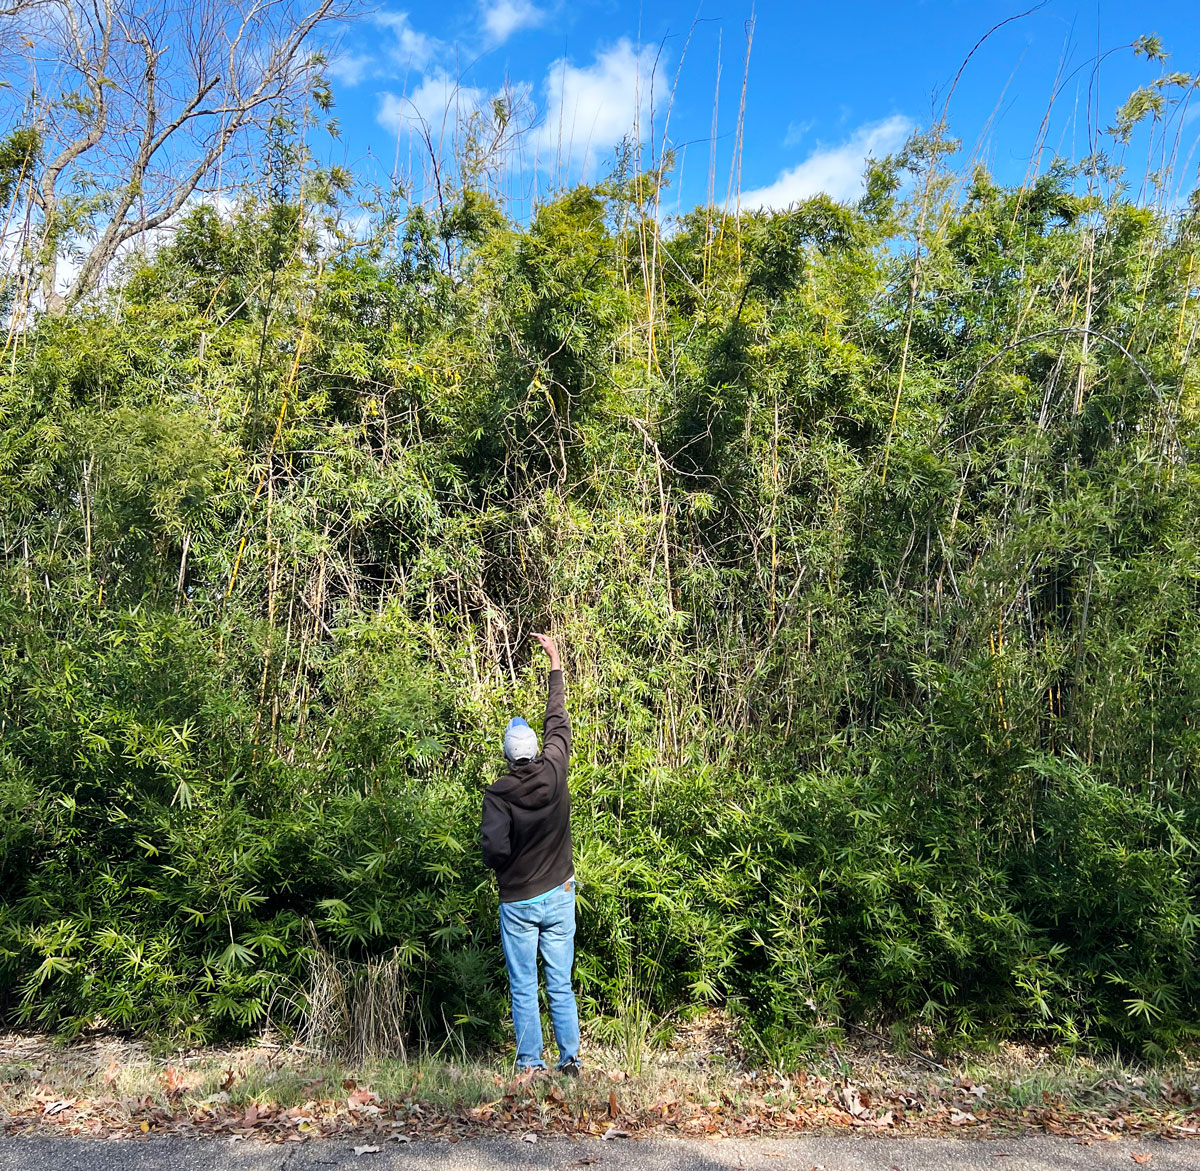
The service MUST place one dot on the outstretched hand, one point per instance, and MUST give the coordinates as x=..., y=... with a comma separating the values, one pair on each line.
x=551, y=648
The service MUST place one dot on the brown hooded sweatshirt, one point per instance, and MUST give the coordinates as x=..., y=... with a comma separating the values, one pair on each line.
x=526, y=830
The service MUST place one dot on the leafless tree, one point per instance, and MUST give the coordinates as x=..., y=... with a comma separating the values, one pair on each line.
x=141, y=105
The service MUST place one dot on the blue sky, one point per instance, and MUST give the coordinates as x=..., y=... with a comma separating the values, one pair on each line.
x=828, y=84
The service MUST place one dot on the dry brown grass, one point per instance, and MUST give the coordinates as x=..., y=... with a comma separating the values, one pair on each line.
x=703, y=1063
x=355, y=1012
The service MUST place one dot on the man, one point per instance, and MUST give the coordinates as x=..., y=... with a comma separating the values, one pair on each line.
x=526, y=837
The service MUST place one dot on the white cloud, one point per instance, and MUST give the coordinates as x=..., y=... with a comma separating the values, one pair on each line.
x=411, y=49
x=502, y=18
x=590, y=109
x=837, y=171
x=797, y=132
x=439, y=103
x=394, y=47
x=350, y=68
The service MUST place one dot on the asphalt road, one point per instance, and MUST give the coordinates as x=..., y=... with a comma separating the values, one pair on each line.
x=803, y=1154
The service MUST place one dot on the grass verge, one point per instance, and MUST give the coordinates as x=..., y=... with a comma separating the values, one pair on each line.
x=104, y=1086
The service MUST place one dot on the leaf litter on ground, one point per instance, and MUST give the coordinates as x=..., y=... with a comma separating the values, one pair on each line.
x=274, y=1095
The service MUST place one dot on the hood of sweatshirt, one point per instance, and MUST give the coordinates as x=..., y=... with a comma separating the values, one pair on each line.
x=528, y=785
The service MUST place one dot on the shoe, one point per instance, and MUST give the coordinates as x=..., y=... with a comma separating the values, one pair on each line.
x=572, y=1068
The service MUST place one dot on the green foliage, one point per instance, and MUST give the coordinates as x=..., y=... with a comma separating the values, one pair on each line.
x=19, y=154
x=916, y=747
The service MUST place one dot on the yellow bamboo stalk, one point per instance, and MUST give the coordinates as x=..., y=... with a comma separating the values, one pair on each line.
x=283, y=402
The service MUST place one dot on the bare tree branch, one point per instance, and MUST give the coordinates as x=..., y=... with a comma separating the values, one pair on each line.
x=124, y=92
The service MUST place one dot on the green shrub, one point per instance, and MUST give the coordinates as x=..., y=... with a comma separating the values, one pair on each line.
x=884, y=694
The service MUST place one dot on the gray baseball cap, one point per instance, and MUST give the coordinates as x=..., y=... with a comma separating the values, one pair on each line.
x=520, y=741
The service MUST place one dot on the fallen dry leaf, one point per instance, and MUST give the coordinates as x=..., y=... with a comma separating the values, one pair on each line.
x=857, y=1102
x=1140, y=1158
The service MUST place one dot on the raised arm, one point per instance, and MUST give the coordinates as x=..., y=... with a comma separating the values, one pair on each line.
x=556, y=727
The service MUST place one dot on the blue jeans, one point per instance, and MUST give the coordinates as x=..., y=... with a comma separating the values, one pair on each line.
x=547, y=926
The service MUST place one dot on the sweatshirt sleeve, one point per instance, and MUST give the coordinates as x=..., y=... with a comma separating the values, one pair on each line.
x=556, y=726
x=495, y=832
